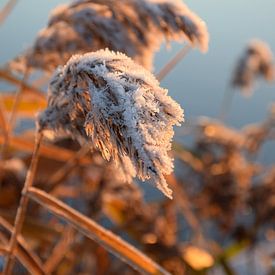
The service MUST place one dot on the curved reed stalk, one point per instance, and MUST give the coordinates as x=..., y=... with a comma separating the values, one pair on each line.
x=134, y=27
x=116, y=106
x=94, y=231
x=21, y=210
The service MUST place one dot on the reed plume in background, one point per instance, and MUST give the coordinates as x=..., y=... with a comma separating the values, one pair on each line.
x=257, y=61
x=134, y=27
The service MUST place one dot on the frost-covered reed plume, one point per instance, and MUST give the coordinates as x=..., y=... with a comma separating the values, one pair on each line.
x=257, y=61
x=118, y=107
x=134, y=27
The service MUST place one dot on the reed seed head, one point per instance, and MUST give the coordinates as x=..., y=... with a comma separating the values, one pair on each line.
x=257, y=61
x=119, y=108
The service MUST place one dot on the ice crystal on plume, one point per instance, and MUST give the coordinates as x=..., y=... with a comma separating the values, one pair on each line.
x=119, y=108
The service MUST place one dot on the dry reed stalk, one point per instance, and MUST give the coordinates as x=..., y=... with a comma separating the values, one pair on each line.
x=226, y=103
x=30, y=258
x=4, y=13
x=61, y=173
x=47, y=150
x=3, y=120
x=168, y=67
x=116, y=106
x=23, y=257
x=5, y=75
x=184, y=204
x=60, y=250
x=22, y=208
x=12, y=118
x=94, y=231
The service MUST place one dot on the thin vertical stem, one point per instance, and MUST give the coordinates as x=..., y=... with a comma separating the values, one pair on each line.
x=168, y=67
x=22, y=209
x=4, y=127
x=7, y=10
x=17, y=100
x=61, y=173
x=226, y=103
x=60, y=250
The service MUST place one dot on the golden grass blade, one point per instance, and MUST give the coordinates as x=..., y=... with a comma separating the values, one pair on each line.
x=23, y=253
x=7, y=10
x=173, y=62
x=17, y=99
x=27, y=108
x=46, y=150
x=94, y=231
x=22, y=208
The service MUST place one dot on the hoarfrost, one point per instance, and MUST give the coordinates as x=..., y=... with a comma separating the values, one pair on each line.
x=119, y=108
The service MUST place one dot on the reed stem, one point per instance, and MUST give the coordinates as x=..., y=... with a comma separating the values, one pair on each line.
x=168, y=67
x=226, y=103
x=22, y=209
